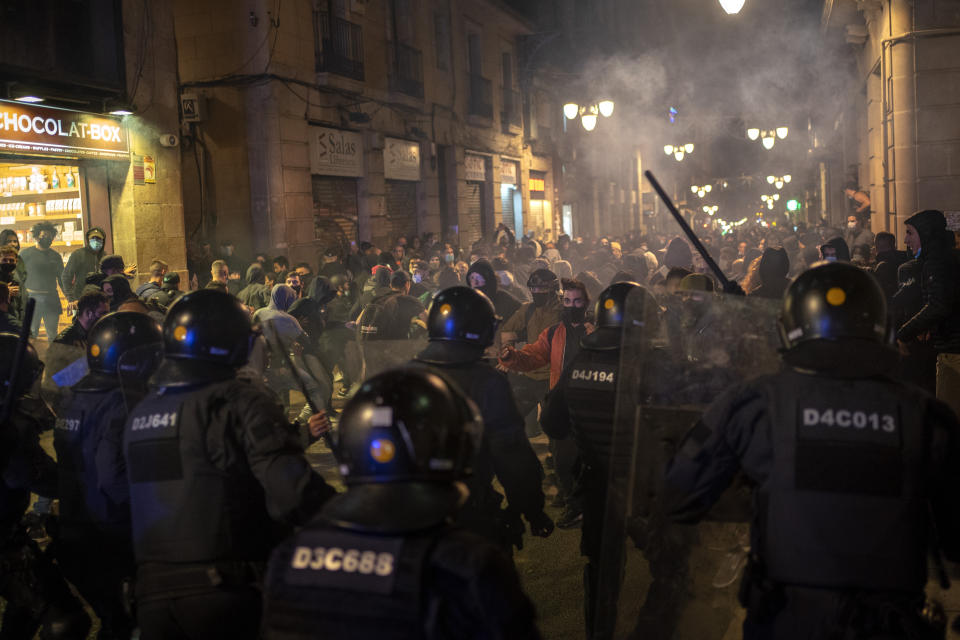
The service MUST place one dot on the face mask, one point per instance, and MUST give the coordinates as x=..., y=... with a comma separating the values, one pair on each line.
x=296, y=288
x=540, y=299
x=574, y=315
x=851, y=225
x=418, y=278
x=448, y=257
x=831, y=258
x=6, y=268
x=96, y=244
x=45, y=242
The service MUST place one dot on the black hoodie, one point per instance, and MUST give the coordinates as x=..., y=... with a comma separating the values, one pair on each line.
x=504, y=303
x=939, y=274
x=81, y=262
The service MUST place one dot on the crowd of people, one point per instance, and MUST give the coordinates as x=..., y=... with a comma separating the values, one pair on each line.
x=529, y=330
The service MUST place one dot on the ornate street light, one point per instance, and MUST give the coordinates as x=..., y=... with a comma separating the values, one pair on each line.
x=701, y=191
x=768, y=137
x=779, y=181
x=732, y=6
x=678, y=151
x=588, y=114
x=770, y=199
x=710, y=210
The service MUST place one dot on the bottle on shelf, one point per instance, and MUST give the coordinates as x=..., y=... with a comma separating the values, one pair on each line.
x=54, y=180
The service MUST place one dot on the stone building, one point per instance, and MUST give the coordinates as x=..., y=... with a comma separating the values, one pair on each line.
x=898, y=133
x=339, y=121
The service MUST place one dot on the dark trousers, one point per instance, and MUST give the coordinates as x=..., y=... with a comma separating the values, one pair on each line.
x=99, y=572
x=229, y=613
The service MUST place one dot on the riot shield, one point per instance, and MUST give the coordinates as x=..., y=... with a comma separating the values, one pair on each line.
x=64, y=366
x=659, y=579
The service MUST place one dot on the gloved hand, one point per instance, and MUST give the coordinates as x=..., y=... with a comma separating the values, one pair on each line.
x=540, y=525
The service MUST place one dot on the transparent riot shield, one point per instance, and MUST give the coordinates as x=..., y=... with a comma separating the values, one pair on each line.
x=134, y=369
x=658, y=579
x=63, y=367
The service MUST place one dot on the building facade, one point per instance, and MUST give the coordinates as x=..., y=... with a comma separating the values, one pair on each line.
x=898, y=133
x=341, y=121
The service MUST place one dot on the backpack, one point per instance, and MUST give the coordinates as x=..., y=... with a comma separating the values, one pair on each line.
x=377, y=321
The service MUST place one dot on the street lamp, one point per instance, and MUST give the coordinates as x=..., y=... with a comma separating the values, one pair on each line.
x=588, y=113
x=768, y=137
x=732, y=6
x=779, y=181
x=678, y=151
x=770, y=199
x=701, y=191
x=710, y=210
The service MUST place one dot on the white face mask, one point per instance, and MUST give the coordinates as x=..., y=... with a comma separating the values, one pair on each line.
x=831, y=258
x=851, y=225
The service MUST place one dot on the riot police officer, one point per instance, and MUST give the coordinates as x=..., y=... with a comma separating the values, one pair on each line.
x=583, y=405
x=35, y=592
x=383, y=560
x=94, y=549
x=214, y=470
x=848, y=466
x=461, y=324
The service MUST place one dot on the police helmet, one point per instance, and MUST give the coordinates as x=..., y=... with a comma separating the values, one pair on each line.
x=462, y=314
x=405, y=437
x=543, y=279
x=610, y=313
x=30, y=367
x=833, y=301
x=116, y=333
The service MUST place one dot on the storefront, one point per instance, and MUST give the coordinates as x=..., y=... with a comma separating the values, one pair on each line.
x=53, y=168
x=401, y=172
x=511, y=196
x=336, y=162
x=541, y=213
x=473, y=219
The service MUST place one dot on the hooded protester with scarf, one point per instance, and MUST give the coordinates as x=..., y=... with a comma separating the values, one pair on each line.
x=482, y=276
x=933, y=247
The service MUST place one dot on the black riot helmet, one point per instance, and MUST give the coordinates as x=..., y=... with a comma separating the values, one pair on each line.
x=543, y=279
x=830, y=312
x=404, y=438
x=833, y=301
x=462, y=314
x=30, y=368
x=116, y=333
x=610, y=313
x=206, y=336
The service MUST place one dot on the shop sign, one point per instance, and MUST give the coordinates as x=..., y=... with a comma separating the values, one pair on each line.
x=475, y=167
x=508, y=172
x=31, y=128
x=334, y=152
x=149, y=170
x=401, y=159
x=537, y=185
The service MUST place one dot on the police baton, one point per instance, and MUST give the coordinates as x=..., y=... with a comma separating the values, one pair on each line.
x=7, y=409
x=301, y=385
x=728, y=285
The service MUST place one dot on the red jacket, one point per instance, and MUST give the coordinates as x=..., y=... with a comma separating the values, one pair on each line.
x=542, y=352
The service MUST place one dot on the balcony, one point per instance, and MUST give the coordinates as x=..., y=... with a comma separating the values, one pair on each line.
x=341, y=46
x=407, y=74
x=510, y=116
x=481, y=100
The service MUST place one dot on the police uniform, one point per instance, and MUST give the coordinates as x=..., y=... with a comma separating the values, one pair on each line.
x=848, y=466
x=94, y=546
x=35, y=592
x=455, y=315
x=214, y=467
x=382, y=560
x=583, y=405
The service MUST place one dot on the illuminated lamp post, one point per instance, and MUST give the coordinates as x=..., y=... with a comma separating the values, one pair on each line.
x=678, y=151
x=588, y=114
x=768, y=137
x=779, y=181
x=732, y=6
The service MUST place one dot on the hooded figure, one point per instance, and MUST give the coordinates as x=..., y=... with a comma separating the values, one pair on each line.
x=321, y=291
x=678, y=254
x=481, y=276
x=939, y=273
x=835, y=247
x=275, y=317
x=118, y=288
x=255, y=295
x=84, y=260
x=773, y=270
